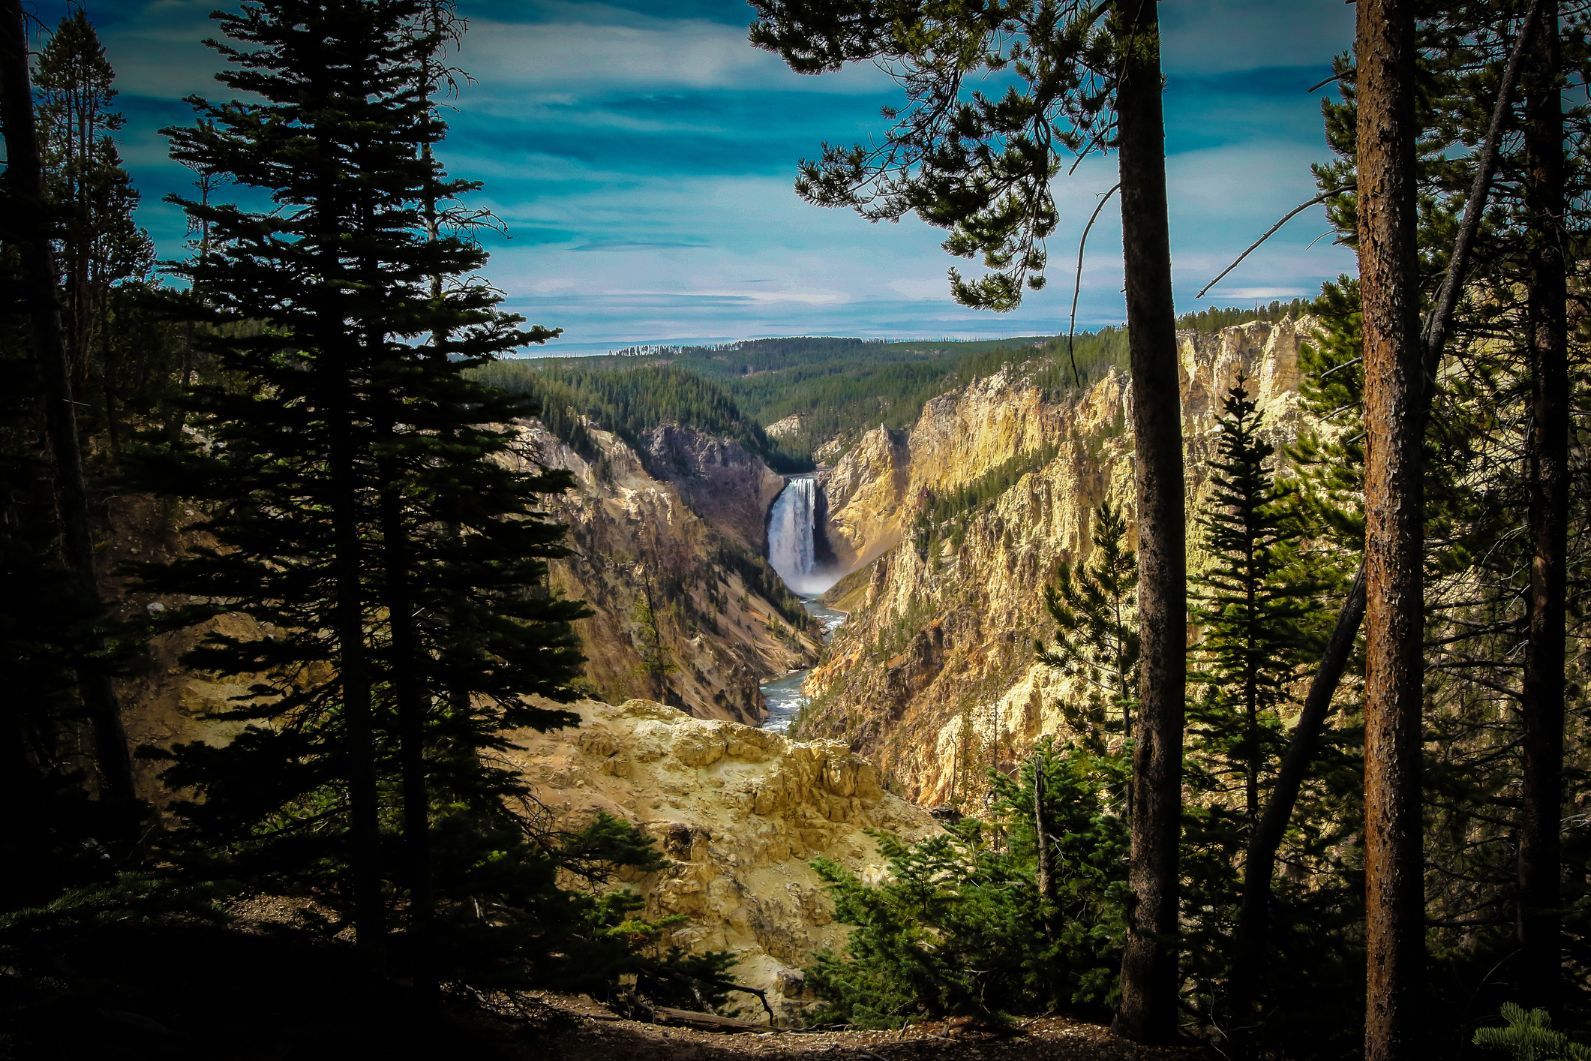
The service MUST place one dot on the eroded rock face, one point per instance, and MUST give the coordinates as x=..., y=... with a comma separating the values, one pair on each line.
x=671, y=570
x=866, y=492
x=739, y=813
x=730, y=488
x=932, y=676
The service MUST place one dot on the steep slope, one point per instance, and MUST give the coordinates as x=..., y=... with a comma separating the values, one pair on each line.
x=666, y=550
x=739, y=813
x=970, y=515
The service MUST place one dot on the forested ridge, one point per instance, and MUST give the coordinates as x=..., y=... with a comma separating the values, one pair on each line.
x=1320, y=782
x=835, y=388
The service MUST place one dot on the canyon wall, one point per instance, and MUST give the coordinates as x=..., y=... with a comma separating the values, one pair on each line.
x=738, y=814
x=933, y=676
x=666, y=550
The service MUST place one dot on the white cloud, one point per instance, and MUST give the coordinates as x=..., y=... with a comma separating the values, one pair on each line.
x=1222, y=36
x=589, y=45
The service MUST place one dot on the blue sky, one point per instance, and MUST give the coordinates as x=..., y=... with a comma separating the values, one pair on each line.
x=642, y=154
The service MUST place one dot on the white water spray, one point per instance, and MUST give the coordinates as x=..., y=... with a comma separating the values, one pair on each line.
x=792, y=532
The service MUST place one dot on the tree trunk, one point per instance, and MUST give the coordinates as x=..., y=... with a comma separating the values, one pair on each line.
x=25, y=177
x=1394, y=528
x=1041, y=839
x=353, y=667
x=1260, y=862
x=340, y=368
x=1251, y=697
x=1149, y=981
x=1539, y=927
x=406, y=655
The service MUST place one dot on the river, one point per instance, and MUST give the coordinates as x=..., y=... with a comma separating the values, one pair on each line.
x=784, y=695
x=793, y=553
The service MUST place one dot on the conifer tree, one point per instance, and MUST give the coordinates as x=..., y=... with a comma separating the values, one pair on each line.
x=1539, y=918
x=26, y=230
x=100, y=243
x=1093, y=606
x=369, y=516
x=1384, y=48
x=1251, y=604
x=1074, y=77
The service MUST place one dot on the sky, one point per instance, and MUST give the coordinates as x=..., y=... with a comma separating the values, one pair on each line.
x=641, y=156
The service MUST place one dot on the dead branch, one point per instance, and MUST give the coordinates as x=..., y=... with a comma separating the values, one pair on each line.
x=1077, y=284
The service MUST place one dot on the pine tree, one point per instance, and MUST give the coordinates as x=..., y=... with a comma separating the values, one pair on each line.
x=1271, y=958
x=1539, y=919
x=101, y=246
x=1394, y=527
x=1252, y=604
x=369, y=515
x=1073, y=78
x=26, y=231
x=1094, y=609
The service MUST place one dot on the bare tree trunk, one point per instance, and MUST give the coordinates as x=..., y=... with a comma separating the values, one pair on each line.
x=1539, y=922
x=25, y=177
x=1041, y=837
x=353, y=667
x=1266, y=840
x=1259, y=865
x=405, y=656
x=339, y=368
x=1149, y=981
x=407, y=653
x=1394, y=529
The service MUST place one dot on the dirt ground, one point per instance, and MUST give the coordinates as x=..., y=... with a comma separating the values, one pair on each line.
x=562, y=1028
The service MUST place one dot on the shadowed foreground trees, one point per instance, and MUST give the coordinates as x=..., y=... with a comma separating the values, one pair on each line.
x=1087, y=77
x=27, y=212
x=324, y=479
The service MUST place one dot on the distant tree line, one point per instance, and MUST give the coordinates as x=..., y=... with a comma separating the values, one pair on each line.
x=630, y=400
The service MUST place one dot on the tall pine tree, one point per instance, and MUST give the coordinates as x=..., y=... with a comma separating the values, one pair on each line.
x=1252, y=603
x=372, y=526
x=101, y=246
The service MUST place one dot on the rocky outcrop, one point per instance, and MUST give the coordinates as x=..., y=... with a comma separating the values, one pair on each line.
x=932, y=676
x=738, y=813
x=785, y=427
x=684, y=609
x=729, y=488
x=866, y=492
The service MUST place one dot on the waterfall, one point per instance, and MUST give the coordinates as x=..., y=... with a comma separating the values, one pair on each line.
x=792, y=544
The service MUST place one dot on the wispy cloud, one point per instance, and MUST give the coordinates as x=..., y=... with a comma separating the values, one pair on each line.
x=641, y=154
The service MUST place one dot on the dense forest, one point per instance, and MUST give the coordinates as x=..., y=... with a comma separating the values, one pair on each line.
x=1325, y=794
x=833, y=388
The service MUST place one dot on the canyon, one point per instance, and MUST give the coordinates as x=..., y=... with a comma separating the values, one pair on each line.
x=933, y=675
x=701, y=569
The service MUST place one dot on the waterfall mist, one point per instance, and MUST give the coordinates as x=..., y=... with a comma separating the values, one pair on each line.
x=792, y=539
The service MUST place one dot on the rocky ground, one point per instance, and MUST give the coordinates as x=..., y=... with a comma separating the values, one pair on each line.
x=739, y=814
x=560, y=1028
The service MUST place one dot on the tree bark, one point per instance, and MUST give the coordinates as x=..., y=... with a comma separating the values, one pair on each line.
x=24, y=174
x=1149, y=980
x=1260, y=862
x=1041, y=838
x=1538, y=919
x=340, y=368
x=353, y=667
x=406, y=654
x=1394, y=528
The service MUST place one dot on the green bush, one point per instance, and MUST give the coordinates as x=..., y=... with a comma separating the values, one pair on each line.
x=1528, y=1035
x=959, y=926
